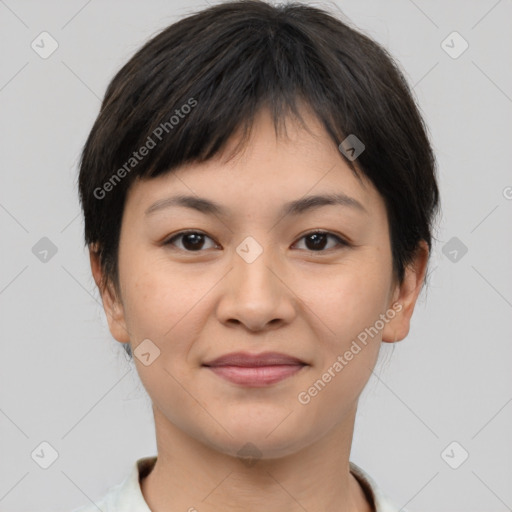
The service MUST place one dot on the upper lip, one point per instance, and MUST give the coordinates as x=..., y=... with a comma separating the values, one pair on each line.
x=253, y=360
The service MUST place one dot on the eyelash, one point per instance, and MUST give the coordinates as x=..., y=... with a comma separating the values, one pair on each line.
x=341, y=242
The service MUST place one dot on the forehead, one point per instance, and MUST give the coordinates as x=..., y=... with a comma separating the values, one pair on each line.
x=270, y=171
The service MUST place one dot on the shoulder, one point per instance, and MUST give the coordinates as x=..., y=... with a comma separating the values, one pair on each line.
x=125, y=496
x=105, y=504
x=381, y=502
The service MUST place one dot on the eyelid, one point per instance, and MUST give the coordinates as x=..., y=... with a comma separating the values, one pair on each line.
x=169, y=239
x=320, y=231
x=342, y=241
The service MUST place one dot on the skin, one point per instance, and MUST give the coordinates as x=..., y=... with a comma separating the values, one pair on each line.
x=207, y=302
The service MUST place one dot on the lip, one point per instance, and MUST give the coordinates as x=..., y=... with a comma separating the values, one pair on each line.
x=255, y=370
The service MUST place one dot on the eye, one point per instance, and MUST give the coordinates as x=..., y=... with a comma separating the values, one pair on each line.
x=192, y=241
x=318, y=240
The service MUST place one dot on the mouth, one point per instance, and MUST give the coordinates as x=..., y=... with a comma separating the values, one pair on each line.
x=255, y=370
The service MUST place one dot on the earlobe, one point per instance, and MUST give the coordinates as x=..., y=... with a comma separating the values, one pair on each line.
x=406, y=296
x=111, y=302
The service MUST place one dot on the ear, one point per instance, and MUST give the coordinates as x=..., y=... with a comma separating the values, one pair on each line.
x=111, y=302
x=405, y=296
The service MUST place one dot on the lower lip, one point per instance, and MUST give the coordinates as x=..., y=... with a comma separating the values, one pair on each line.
x=256, y=376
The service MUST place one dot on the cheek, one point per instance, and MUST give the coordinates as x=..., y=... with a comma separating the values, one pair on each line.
x=156, y=296
x=348, y=338
x=348, y=298
x=170, y=308
x=166, y=308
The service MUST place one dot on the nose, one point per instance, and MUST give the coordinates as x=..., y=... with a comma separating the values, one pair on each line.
x=255, y=293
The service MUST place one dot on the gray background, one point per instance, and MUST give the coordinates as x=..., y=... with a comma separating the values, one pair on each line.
x=64, y=380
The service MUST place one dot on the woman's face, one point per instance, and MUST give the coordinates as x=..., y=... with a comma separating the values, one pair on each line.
x=254, y=278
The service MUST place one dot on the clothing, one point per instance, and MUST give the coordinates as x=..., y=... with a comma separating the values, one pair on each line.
x=127, y=495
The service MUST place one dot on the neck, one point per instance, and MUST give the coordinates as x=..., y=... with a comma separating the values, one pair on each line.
x=189, y=475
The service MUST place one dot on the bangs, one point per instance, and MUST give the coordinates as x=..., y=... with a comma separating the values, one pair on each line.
x=184, y=106
x=203, y=80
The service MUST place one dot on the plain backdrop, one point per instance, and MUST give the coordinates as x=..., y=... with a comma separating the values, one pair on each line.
x=64, y=380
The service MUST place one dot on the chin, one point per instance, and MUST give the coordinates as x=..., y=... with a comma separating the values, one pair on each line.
x=264, y=438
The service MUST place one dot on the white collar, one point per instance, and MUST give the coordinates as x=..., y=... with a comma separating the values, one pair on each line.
x=127, y=496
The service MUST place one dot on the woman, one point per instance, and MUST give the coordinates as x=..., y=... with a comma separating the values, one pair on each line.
x=259, y=192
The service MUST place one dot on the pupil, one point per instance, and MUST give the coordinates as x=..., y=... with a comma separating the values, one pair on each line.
x=316, y=237
x=193, y=236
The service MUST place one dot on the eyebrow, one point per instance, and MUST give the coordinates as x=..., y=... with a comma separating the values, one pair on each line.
x=296, y=207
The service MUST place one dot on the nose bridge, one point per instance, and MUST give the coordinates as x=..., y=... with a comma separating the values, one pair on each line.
x=252, y=263
x=254, y=295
